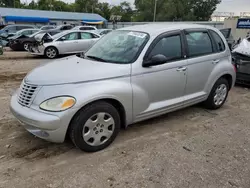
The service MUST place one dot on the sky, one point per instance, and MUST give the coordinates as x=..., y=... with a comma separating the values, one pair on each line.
x=235, y=6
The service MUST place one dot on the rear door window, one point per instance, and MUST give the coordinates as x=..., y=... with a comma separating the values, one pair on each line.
x=86, y=35
x=199, y=43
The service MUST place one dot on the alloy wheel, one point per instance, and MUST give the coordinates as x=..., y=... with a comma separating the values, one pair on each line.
x=220, y=94
x=51, y=53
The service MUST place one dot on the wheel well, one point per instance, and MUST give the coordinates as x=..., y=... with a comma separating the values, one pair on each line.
x=120, y=110
x=229, y=78
x=113, y=102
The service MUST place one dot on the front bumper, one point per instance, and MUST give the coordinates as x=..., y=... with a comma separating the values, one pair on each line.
x=49, y=127
x=37, y=50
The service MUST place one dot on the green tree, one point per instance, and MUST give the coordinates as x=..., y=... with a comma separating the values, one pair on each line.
x=10, y=3
x=203, y=9
x=176, y=10
x=86, y=5
x=124, y=10
x=104, y=10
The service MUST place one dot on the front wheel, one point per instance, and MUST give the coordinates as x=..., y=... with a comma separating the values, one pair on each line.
x=51, y=52
x=218, y=94
x=95, y=127
x=26, y=46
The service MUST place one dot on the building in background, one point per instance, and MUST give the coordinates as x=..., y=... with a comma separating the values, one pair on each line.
x=221, y=16
x=240, y=27
x=42, y=17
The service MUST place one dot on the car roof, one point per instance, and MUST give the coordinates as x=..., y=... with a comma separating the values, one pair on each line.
x=30, y=29
x=72, y=31
x=156, y=29
x=77, y=27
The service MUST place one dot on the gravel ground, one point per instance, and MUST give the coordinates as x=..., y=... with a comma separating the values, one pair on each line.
x=192, y=148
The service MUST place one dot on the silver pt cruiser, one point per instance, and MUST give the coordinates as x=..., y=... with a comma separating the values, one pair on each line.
x=129, y=75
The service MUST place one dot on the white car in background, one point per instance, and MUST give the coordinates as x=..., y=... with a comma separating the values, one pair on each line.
x=67, y=42
x=85, y=28
x=47, y=27
x=103, y=31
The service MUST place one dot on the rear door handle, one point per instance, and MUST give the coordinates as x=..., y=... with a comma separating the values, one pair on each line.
x=215, y=61
x=180, y=69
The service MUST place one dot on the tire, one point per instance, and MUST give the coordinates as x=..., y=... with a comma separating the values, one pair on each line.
x=88, y=130
x=51, y=52
x=26, y=46
x=221, y=89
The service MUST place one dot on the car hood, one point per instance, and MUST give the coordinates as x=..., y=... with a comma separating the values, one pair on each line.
x=75, y=70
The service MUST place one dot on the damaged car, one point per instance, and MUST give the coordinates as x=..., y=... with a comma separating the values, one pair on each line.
x=67, y=42
x=241, y=60
x=22, y=42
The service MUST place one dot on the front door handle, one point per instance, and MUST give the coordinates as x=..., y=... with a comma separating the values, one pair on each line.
x=214, y=62
x=181, y=69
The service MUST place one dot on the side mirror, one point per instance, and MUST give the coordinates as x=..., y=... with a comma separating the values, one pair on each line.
x=158, y=59
x=6, y=30
x=81, y=55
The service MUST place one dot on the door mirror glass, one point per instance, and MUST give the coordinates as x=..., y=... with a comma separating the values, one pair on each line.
x=155, y=60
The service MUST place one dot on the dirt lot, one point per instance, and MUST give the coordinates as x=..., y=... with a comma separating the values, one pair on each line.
x=190, y=148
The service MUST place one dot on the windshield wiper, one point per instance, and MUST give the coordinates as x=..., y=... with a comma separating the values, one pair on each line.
x=96, y=58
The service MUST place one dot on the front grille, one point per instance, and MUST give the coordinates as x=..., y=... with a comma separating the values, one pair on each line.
x=26, y=94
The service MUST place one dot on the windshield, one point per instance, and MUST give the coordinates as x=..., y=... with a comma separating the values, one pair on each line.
x=36, y=33
x=75, y=28
x=118, y=47
x=59, y=34
x=20, y=32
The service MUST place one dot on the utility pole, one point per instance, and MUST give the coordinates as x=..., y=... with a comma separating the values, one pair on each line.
x=155, y=10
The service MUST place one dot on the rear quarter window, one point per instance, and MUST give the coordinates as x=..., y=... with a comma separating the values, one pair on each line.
x=219, y=44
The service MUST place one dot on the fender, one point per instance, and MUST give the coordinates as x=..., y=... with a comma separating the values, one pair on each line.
x=219, y=71
x=118, y=89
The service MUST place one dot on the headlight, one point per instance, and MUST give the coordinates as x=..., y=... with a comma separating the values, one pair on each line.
x=58, y=104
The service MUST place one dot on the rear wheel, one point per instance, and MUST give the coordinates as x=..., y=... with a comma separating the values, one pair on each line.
x=218, y=95
x=51, y=52
x=95, y=127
